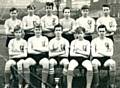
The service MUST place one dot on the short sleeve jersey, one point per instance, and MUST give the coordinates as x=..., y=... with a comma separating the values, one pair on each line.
x=81, y=45
x=67, y=24
x=58, y=45
x=109, y=22
x=48, y=22
x=10, y=25
x=88, y=23
x=28, y=21
x=17, y=45
x=37, y=43
x=101, y=45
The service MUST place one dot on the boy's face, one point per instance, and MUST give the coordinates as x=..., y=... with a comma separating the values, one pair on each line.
x=80, y=35
x=30, y=11
x=58, y=31
x=101, y=32
x=67, y=13
x=85, y=12
x=38, y=31
x=49, y=9
x=106, y=11
x=18, y=34
x=14, y=13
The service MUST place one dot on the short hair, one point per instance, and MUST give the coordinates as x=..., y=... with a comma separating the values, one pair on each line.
x=58, y=25
x=79, y=30
x=85, y=7
x=49, y=4
x=106, y=5
x=102, y=26
x=66, y=8
x=32, y=7
x=38, y=26
x=13, y=9
x=17, y=28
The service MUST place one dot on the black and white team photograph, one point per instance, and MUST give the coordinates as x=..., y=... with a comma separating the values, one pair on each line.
x=59, y=44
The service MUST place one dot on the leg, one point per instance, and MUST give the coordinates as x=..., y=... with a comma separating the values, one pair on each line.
x=26, y=65
x=65, y=63
x=52, y=63
x=112, y=71
x=72, y=65
x=8, y=65
x=20, y=72
x=96, y=63
x=45, y=64
x=88, y=65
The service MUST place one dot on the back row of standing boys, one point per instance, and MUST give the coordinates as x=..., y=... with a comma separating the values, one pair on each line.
x=78, y=33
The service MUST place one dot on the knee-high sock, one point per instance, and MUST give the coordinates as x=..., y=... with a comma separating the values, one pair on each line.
x=20, y=76
x=112, y=78
x=69, y=78
x=89, y=79
x=44, y=74
x=27, y=75
x=7, y=77
x=96, y=78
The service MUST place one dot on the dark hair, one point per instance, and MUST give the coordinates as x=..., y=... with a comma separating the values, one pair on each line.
x=13, y=9
x=79, y=30
x=85, y=7
x=106, y=5
x=17, y=28
x=31, y=7
x=38, y=26
x=58, y=25
x=66, y=8
x=102, y=26
x=49, y=4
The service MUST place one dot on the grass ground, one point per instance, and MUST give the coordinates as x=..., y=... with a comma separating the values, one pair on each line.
x=4, y=55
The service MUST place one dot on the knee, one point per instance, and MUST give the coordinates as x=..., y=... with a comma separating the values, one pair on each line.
x=111, y=64
x=8, y=64
x=53, y=62
x=45, y=63
x=72, y=65
x=96, y=63
x=88, y=65
x=28, y=62
x=64, y=62
x=20, y=64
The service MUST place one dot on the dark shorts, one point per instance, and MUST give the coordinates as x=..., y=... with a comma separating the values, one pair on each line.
x=80, y=60
x=38, y=57
x=8, y=40
x=58, y=59
x=18, y=59
x=28, y=35
x=69, y=37
x=102, y=60
x=89, y=38
x=111, y=37
x=47, y=33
